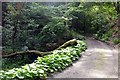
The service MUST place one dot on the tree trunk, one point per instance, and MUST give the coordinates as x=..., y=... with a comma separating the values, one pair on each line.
x=66, y=44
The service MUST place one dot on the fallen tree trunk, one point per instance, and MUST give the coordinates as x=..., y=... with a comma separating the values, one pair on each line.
x=66, y=44
x=27, y=52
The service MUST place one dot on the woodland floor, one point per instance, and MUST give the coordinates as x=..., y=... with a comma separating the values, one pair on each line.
x=100, y=60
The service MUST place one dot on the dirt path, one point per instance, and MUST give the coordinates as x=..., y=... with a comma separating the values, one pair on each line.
x=99, y=61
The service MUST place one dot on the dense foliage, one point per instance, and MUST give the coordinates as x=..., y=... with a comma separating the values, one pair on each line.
x=45, y=26
x=43, y=66
x=41, y=26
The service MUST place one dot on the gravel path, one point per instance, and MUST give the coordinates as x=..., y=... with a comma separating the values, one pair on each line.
x=99, y=61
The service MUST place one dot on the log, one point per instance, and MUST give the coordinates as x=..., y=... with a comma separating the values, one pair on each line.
x=27, y=52
x=66, y=44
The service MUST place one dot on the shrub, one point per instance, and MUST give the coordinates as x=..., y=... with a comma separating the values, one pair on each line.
x=43, y=66
x=116, y=41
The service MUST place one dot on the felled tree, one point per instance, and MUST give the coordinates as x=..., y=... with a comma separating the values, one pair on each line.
x=66, y=44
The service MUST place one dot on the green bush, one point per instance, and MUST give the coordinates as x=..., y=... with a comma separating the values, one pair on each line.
x=43, y=66
x=116, y=41
x=37, y=24
x=56, y=29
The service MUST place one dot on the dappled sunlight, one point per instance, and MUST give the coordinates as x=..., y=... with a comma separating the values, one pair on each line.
x=105, y=53
x=100, y=50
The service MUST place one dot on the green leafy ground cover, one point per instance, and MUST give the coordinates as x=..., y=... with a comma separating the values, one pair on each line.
x=43, y=66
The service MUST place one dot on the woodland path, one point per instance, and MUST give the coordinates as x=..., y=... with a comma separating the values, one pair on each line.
x=100, y=60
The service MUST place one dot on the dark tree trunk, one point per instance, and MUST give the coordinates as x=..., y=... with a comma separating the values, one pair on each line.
x=14, y=33
x=117, y=7
x=118, y=21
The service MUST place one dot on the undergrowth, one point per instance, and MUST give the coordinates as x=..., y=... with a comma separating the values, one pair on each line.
x=43, y=66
